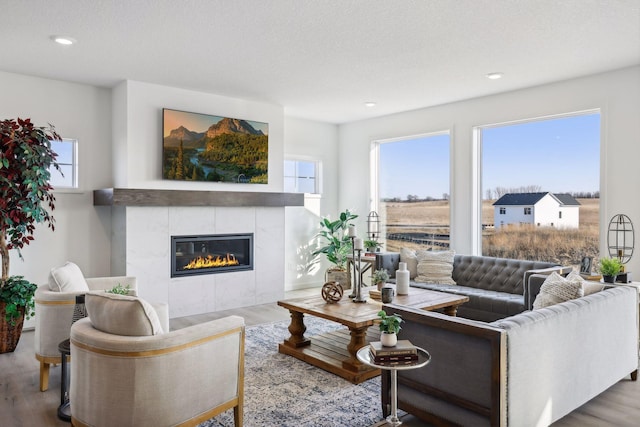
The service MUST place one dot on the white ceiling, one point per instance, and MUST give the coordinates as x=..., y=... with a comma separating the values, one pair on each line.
x=323, y=59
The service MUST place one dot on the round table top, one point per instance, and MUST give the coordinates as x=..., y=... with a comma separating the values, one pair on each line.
x=364, y=355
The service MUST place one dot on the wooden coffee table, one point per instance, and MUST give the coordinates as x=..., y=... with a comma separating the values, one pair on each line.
x=336, y=351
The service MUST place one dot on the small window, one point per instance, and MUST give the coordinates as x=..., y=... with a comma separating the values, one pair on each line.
x=503, y=211
x=527, y=211
x=560, y=214
x=67, y=151
x=301, y=176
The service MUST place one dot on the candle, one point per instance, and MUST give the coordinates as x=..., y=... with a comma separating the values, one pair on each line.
x=358, y=244
x=352, y=230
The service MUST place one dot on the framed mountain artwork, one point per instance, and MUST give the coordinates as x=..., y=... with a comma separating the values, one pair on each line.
x=201, y=147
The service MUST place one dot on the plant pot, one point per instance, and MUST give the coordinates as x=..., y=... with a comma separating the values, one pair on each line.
x=388, y=339
x=9, y=334
x=341, y=276
x=380, y=285
x=609, y=279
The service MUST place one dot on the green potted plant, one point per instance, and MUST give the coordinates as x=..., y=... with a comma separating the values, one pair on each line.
x=610, y=268
x=389, y=328
x=336, y=246
x=25, y=195
x=371, y=245
x=379, y=277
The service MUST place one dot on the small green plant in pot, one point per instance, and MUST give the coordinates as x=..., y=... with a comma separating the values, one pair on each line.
x=389, y=328
x=336, y=246
x=371, y=245
x=379, y=278
x=610, y=268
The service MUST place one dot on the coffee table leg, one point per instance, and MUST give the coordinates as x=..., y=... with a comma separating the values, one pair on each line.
x=358, y=340
x=297, y=330
x=452, y=310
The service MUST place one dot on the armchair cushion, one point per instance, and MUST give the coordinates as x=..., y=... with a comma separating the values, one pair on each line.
x=122, y=314
x=67, y=278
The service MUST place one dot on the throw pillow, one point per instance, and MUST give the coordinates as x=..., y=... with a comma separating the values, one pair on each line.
x=67, y=278
x=557, y=289
x=411, y=258
x=435, y=267
x=122, y=314
x=591, y=287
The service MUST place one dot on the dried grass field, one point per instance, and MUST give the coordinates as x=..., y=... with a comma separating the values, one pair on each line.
x=430, y=220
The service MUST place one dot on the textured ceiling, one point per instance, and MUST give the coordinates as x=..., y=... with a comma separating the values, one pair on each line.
x=322, y=59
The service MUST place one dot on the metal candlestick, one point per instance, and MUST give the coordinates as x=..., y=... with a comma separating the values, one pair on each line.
x=359, y=297
x=353, y=262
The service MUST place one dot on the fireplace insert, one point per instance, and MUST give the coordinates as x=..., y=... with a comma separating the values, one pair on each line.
x=210, y=254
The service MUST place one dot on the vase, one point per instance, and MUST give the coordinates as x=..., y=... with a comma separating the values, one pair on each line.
x=388, y=339
x=402, y=279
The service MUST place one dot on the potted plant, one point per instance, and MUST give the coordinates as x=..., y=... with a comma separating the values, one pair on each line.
x=379, y=277
x=610, y=267
x=371, y=246
x=389, y=328
x=25, y=195
x=336, y=247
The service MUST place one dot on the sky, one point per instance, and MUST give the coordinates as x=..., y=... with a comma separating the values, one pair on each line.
x=196, y=122
x=559, y=155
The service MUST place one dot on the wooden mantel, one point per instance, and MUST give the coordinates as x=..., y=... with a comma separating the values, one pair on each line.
x=151, y=197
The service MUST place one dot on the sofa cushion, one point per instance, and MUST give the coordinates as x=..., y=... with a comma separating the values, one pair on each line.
x=67, y=278
x=556, y=289
x=411, y=258
x=122, y=314
x=435, y=267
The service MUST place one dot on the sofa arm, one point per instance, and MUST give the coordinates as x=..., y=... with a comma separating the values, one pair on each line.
x=389, y=261
x=533, y=280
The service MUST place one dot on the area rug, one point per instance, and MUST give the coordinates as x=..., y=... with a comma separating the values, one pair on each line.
x=283, y=391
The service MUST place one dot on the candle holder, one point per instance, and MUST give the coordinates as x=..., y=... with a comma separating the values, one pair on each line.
x=353, y=263
x=359, y=297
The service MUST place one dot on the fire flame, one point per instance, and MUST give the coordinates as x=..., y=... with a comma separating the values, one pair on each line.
x=210, y=261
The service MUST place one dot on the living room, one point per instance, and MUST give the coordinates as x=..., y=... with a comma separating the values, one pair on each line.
x=117, y=118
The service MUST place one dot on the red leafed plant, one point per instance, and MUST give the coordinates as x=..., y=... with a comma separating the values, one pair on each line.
x=25, y=196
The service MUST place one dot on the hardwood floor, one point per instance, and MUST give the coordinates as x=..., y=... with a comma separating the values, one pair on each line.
x=23, y=405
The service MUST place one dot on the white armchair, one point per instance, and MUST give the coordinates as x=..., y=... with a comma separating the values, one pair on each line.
x=150, y=378
x=54, y=313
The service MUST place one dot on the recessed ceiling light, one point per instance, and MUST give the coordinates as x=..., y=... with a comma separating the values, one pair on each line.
x=63, y=40
x=495, y=76
x=370, y=104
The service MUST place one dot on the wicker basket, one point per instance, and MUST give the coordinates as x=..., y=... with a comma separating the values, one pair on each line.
x=9, y=334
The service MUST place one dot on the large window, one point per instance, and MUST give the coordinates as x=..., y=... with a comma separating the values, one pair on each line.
x=412, y=189
x=301, y=176
x=67, y=151
x=540, y=183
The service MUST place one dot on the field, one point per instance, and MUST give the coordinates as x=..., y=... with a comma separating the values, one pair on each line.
x=427, y=225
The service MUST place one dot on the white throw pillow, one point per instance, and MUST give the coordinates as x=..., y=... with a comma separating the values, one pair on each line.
x=435, y=267
x=557, y=289
x=122, y=314
x=67, y=278
x=591, y=287
x=411, y=258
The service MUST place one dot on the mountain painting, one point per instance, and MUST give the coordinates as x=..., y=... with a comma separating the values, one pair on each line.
x=201, y=147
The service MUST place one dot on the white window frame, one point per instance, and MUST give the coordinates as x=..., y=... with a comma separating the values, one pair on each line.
x=318, y=172
x=75, y=186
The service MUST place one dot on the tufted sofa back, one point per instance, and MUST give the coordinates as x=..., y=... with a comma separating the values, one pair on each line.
x=496, y=274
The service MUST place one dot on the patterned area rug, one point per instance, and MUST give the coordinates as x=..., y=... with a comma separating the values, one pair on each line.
x=283, y=391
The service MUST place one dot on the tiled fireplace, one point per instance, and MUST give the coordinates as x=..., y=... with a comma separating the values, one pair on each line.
x=211, y=254
x=142, y=228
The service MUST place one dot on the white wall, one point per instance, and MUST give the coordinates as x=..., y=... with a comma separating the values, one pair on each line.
x=616, y=93
x=82, y=233
x=309, y=140
x=137, y=128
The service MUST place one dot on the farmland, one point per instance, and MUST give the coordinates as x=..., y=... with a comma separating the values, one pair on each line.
x=428, y=223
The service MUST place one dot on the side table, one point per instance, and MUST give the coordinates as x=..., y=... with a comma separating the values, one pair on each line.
x=64, y=410
x=364, y=355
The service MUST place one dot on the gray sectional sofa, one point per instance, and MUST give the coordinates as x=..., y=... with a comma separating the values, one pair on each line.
x=496, y=287
x=529, y=369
